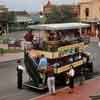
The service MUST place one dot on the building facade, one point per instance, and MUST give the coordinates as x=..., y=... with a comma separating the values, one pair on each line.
x=18, y=20
x=47, y=8
x=90, y=10
x=3, y=17
x=90, y=13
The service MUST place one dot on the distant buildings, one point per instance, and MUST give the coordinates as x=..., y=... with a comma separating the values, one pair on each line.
x=90, y=10
x=36, y=17
x=13, y=20
x=87, y=10
x=90, y=13
x=74, y=8
x=3, y=17
x=23, y=17
x=47, y=8
x=18, y=20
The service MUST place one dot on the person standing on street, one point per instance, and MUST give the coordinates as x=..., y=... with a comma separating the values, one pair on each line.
x=43, y=63
x=20, y=70
x=51, y=80
x=71, y=75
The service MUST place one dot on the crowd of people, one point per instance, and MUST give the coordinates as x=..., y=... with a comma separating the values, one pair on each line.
x=44, y=67
x=47, y=69
x=31, y=41
x=60, y=37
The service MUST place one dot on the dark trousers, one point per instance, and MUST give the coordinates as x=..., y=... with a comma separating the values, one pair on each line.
x=71, y=83
x=19, y=79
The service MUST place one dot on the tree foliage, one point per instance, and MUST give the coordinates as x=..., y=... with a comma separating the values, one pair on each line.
x=61, y=15
x=11, y=17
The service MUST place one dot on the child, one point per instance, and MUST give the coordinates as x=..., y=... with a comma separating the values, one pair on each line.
x=51, y=80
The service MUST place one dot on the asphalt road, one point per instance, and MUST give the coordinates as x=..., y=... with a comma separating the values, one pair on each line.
x=17, y=35
x=94, y=49
x=8, y=86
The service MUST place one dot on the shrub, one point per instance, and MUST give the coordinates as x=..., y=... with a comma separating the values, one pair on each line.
x=4, y=39
x=1, y=51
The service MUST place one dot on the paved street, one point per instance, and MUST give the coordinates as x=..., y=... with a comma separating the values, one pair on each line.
x=89, y=88
x=8, y=90
x=95, y=51
x=16, y=35
x=80, y=19
x=11, y=56
x=80, y=92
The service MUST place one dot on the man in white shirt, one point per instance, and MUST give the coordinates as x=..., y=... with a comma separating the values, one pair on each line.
x=71, y=72
x=71, y=75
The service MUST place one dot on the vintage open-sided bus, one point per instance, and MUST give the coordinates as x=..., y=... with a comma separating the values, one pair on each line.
x=63, y=46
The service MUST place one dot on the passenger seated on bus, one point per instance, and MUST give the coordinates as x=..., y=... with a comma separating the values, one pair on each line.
x=38, y=43
x=43, y=63
x=59, y=36
x=55, y=36
x=78, y=56
x=56, y=64
x=35, y=43
x=67, y=37
x=41, y=44
x=51, y=37
x=70, y=59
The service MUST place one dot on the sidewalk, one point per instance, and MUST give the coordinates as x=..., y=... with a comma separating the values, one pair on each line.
x=5, y=46
x=11, y=56
x=94, y=39
x=83, y=92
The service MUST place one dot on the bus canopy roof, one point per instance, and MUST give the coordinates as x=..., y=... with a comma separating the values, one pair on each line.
x=60, y=26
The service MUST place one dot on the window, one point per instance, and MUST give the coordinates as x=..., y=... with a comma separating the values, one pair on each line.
x=87, y=12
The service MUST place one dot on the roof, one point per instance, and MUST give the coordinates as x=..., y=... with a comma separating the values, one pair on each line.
x=85, y=1
x=23, y=19
x=20, y=13
x=60, y=26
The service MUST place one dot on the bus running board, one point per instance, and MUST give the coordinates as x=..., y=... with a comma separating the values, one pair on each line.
x=30, y=85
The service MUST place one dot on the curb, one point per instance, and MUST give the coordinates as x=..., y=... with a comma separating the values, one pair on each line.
x=10, y=60
x=61, y=89
x=11, y=57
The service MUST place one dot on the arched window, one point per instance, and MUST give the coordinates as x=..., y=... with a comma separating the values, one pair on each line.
x=87, y=12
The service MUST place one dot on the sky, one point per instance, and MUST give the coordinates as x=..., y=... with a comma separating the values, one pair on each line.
x=32, y=5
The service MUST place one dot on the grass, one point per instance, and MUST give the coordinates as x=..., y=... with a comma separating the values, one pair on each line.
x=3, y=51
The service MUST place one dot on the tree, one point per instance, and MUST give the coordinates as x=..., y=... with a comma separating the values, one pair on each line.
x=11, y=17
x=61, y=15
